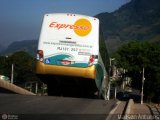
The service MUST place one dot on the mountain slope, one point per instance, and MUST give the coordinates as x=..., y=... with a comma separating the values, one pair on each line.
x=29, y=46
x=137, y=20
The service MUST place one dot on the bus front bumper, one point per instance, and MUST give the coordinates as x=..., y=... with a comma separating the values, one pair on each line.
x=89, y=72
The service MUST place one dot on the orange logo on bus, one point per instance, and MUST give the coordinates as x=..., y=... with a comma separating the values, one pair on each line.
x=83, y=22
x=81, y=27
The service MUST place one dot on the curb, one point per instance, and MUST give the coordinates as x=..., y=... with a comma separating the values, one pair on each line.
x=112, y=111
x=129, y=106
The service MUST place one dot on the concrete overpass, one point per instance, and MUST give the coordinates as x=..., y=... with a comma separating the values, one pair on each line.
x=13, y=88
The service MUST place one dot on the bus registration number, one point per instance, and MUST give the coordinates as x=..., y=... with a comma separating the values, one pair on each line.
x=67, y=49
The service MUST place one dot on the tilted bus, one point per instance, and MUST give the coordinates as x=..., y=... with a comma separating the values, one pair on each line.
x=72, y=46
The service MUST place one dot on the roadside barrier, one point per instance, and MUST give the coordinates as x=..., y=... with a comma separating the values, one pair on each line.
x=14, y=88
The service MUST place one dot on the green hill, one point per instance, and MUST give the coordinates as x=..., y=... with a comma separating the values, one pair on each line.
x=137, y=20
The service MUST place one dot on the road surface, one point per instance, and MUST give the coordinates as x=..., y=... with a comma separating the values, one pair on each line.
x=25, y=107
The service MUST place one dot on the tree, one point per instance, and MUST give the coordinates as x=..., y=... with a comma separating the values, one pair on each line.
x=24, y=67
x=133, y=56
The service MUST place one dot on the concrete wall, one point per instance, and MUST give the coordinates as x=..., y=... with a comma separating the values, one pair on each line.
x=6, y=85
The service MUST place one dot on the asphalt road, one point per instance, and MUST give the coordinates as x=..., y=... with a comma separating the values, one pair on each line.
x=21, y=107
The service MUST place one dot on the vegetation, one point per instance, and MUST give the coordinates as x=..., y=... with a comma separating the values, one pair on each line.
x=133, y=56
x=24, y=67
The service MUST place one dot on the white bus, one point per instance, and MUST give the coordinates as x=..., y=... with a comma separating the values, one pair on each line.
x=71, y=45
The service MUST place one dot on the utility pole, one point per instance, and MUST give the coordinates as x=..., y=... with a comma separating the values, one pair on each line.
x=12, y=72
x=36, y=90
x=108, y=93
x=143, y=78
x=115, y=92
x=109, y=84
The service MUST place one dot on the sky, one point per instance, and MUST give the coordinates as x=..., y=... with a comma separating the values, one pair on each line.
x=22, y=19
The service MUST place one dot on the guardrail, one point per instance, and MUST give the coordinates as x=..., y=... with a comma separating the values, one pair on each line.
x=11, y=87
